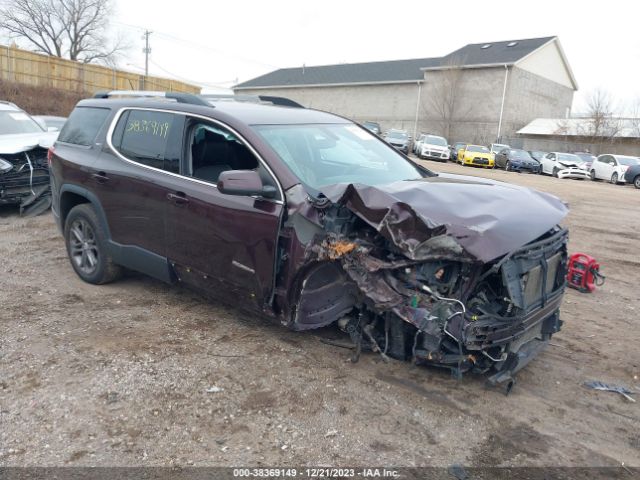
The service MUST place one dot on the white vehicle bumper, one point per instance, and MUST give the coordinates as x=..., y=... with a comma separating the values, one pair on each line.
x=573, y=173
x=426, y=152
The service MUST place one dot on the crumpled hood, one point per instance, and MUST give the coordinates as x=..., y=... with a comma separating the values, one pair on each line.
x=569, y=164
x=452, y=215
x=22, y=142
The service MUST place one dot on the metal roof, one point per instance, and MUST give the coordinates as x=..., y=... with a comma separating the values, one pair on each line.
x=581, y=127
x=397, y=71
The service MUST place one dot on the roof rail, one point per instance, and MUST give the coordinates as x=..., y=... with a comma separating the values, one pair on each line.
x=282, y=101
x=177, y=96
x=249, y=98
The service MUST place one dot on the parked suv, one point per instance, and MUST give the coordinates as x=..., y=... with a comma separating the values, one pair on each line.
x=432, y=147
x=310, y=219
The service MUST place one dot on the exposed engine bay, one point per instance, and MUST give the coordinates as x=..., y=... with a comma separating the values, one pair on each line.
x=413, y=290
x=24, y=180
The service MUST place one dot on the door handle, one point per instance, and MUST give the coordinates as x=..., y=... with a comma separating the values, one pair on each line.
x=179, y=198
x=100, y=177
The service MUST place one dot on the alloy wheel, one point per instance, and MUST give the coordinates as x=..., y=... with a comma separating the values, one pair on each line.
x=614, y=178
x=83, y=247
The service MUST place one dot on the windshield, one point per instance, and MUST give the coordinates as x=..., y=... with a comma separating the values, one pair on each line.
x=433, y=140
x=396, y=134
x=17, y=122
x=586, y=157
x=537, y=154
x=496, y=147
x=321, y=155
x=628, y=161
x=569, y=157
x=477, y=148
x=521, y=155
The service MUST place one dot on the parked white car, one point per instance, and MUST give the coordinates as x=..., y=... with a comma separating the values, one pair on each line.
x=612, y=167
x=496, y=148
x=563, y=165
x=432, y=147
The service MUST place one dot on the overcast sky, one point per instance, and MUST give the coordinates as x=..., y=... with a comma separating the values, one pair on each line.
x=217, y=43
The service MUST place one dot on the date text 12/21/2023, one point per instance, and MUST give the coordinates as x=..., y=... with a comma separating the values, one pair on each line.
x=317, y=472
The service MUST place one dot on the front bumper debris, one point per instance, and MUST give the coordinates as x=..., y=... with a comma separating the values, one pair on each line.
x=27, y=183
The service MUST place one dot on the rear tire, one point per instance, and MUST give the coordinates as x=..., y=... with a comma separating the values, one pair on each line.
x=86, y=244
x=614, y=178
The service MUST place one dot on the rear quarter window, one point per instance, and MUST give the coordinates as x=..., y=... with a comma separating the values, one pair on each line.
x=143, y=135
x=83, y=125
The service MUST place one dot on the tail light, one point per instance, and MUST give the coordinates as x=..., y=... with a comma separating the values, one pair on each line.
x=50, y=153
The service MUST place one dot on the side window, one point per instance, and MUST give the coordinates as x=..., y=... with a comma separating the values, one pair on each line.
x=613, y=161
x=146, y=137
x=551, y=156
x=213, y=149
x=83, y=125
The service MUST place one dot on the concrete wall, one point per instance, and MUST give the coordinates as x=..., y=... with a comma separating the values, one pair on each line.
x=392, y=105
x=576, y=144
x=478, y=94
x=477, y=106
x=530, y=96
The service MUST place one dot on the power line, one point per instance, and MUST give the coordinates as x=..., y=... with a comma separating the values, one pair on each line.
x=174, y=38
x=188, y=80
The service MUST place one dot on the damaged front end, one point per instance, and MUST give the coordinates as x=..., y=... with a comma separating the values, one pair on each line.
x=450, y=289
x=24, y=180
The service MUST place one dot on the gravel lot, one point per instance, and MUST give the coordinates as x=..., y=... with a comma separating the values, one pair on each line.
x=118, y=374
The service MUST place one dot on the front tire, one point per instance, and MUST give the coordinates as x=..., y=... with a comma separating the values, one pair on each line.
x=507, y=166
x=555, y=172
x=636, y=181
x=592, y=174
x=614, y=178
x=86, y=244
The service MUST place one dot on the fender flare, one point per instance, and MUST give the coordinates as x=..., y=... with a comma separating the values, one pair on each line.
x=93, y=200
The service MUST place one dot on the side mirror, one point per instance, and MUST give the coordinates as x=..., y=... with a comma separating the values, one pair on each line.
x=245, y=183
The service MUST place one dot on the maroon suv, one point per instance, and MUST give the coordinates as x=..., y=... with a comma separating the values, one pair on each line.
x=309, y=218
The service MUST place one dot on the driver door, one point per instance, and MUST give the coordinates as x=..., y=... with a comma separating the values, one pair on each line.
x=224, y=244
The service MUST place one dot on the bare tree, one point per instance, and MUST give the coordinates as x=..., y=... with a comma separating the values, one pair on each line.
x=73, y=29
x=442, y=104
x=600, y=125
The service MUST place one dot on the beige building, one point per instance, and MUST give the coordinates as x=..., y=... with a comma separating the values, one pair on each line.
x=477, y=93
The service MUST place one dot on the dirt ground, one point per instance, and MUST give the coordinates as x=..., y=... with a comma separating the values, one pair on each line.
x=118, y=374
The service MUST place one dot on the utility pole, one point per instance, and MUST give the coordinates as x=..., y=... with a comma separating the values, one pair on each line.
x=146, y=50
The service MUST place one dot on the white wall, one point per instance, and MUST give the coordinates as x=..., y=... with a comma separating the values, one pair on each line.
x=547, y=62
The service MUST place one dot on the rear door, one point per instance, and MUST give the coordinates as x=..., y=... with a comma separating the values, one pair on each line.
x=134, y=175
x=225, y=244
x=548, y=162
x=604, y=168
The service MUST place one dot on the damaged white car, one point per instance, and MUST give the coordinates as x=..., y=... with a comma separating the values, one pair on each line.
x=24, y=172
x=564, y=165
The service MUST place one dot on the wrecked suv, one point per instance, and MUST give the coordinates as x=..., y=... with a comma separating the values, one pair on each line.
x=310, y=219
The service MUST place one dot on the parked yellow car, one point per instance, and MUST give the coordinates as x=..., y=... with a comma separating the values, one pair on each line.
x=476, y=155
